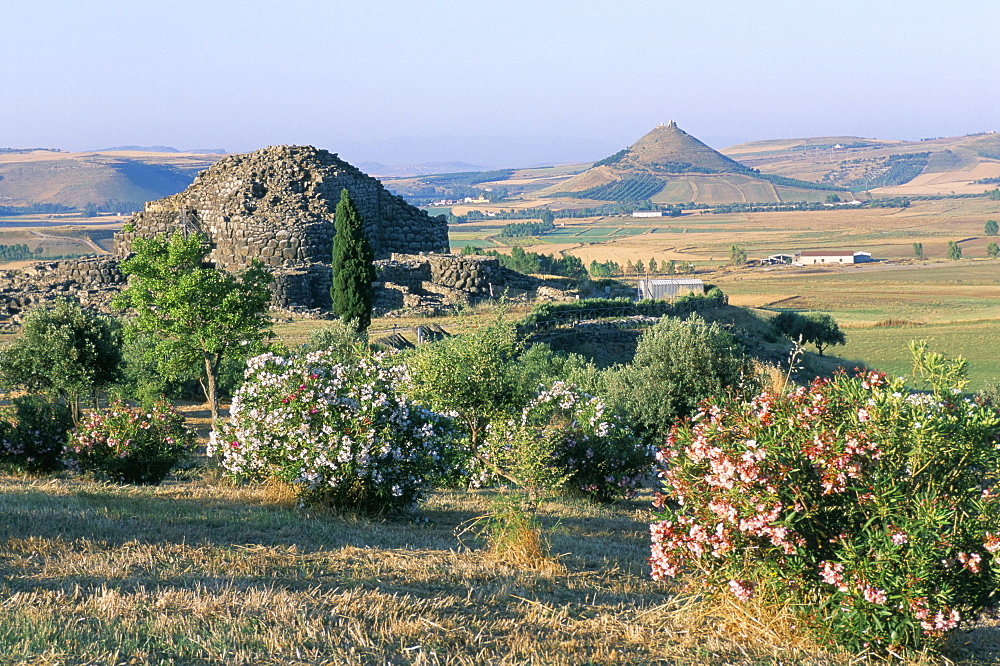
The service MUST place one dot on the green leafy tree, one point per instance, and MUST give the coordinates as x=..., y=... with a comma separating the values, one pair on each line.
x=990, y=228
x=918, y=250
x=653, y=268
x=993, y=250
x=196, y=315
x=474, y=375
x=737, y=255
x=814, y=328
x=66, y=351
x=639, y=268
x=353, y=271
x=547, y=216
x=954, y=251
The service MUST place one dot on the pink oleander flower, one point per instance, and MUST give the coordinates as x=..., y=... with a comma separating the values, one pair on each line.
x=832, y=574
x=899, y=538
x=971, y=562
x=742, y=589
x=873, y=595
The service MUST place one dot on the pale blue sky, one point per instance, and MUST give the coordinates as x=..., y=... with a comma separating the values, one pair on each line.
x=467, y=80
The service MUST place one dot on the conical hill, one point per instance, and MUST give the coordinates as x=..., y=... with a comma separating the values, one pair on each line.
x=668, y=147
x=668, y=165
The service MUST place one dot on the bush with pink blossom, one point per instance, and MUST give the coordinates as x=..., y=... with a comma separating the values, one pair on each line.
x=130, y=445
x=873, y=509
x=339, y=430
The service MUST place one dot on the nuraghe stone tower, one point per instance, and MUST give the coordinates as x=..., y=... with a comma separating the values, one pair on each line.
x=277, y=205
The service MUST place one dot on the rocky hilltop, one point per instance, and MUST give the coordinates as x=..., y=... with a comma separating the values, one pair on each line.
x=668, y=165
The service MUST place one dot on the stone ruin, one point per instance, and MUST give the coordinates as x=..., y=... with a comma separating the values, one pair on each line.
x=276, y=205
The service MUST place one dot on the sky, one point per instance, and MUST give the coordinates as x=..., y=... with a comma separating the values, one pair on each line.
x=490, y=82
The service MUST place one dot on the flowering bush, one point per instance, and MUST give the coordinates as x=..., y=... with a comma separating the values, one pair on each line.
x=127, y=445
x=594, y=453
x=874, y=509
x=33, y=433
x=339, y=430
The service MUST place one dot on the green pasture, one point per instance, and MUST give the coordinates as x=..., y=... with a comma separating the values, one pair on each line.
x=887, y=348
x=954, y=305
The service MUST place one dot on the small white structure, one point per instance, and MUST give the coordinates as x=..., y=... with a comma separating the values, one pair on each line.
x=776, y=259
x=813, y=257
x=668, y=290
x=647, y=213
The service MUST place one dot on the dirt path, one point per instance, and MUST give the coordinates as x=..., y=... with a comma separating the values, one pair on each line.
x=85, y=240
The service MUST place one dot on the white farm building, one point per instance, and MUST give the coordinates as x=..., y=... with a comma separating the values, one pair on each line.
x=667, y=290
x=647, y=213
x=812, y=257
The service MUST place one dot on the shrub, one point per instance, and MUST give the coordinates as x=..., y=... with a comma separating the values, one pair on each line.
x=340, y=431
x=64, y=350
x=475, y=376
x=566, y=436
x=127, y=445
x=872, y=510
x=33, y=434
x=677, y=364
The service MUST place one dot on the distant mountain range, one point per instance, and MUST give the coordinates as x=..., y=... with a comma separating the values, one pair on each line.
x=425, y=169
x=161, y=149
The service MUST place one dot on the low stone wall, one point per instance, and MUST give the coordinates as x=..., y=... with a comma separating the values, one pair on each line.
x=469, y=273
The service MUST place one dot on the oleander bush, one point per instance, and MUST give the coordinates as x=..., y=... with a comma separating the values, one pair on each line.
x=337, y=429
x=130, y=445
x=575, y=440
x=33, y=433
x=872, y=509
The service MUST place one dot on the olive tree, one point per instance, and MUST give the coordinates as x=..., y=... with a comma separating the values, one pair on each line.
x=677, y=364
x=814, y=328
x=474, y=376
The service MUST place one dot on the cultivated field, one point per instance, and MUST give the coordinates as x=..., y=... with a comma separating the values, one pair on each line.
x=955, y=305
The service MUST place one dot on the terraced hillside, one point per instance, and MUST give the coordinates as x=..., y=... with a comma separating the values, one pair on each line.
x=956, y=165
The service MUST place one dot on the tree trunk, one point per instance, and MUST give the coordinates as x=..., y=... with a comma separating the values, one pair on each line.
x=211, y=365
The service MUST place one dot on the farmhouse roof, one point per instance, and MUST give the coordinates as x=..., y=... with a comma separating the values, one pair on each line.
x=827, y=253
x=660, y=281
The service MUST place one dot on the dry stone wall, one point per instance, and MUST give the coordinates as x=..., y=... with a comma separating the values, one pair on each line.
x=92, y=281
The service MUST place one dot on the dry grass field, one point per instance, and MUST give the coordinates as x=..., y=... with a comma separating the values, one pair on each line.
x=199, y=571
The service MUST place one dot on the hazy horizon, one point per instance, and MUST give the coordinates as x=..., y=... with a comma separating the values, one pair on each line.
x=492, y=84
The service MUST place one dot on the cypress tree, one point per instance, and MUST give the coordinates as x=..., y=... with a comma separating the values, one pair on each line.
x=353, y=272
